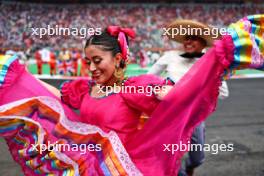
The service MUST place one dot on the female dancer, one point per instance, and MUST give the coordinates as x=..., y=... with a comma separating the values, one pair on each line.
x=110, y=119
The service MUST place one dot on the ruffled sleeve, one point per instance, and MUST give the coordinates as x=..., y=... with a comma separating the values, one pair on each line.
x=72, y=92
x=142, y=95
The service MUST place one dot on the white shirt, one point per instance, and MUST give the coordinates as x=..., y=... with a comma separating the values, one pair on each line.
x=176, y=66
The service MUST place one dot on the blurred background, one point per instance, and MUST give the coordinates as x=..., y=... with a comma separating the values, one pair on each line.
x=238, y=119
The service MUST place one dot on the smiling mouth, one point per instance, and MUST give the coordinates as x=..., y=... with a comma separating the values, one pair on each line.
x=188, y=46
x=96, y=75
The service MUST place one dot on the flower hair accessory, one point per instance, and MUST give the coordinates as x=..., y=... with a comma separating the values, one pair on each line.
x=121, y=37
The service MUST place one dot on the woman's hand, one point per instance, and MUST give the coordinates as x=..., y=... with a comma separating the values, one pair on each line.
x=52, y=89
x=163, y=92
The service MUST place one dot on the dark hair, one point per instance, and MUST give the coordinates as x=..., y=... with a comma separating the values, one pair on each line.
x=108, y=43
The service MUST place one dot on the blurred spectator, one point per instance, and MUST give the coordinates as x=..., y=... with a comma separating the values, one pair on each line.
x=17, y=19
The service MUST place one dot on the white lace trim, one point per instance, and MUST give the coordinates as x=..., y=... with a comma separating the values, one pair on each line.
x=77, y=127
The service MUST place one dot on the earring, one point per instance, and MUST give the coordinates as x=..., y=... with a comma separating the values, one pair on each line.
x=119, y=73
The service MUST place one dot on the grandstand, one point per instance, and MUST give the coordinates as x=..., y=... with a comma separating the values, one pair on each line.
x=17, y=19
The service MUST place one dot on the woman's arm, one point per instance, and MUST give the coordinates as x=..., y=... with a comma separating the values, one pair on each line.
x=52, y=89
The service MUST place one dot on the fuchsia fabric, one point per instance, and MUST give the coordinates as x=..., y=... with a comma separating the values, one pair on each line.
x=190, y=102
x=119, y=112
x=171, y=120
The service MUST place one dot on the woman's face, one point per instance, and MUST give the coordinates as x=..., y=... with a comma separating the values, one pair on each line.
x=101, y=64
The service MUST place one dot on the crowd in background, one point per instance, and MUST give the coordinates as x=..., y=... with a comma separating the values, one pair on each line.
x=17, y=19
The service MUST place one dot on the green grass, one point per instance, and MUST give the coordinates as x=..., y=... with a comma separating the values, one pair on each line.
x=133, y=70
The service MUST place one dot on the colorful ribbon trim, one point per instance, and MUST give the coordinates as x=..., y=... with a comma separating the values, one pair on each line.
x=248, y=39
x=5, y=62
